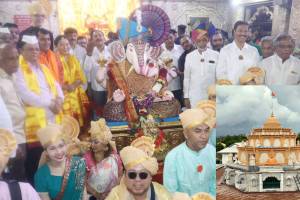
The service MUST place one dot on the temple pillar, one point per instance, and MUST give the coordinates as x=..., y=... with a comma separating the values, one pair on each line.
x=281, y=18
x=294, y=26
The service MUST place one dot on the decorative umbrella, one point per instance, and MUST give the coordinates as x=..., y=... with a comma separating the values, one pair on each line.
x=157, y=22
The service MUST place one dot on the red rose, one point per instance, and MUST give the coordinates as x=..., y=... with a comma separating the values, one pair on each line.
x=163, y=72
x=151, y=65
x=199, y=168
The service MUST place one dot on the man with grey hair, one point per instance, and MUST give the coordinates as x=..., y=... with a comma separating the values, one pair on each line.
x=267, y=47
x=9, y=58
x=282, y=68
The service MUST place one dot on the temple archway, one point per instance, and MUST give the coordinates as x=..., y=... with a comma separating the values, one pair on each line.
x=271, y=183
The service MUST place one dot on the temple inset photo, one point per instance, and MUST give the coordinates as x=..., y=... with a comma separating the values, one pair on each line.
x=258, y=147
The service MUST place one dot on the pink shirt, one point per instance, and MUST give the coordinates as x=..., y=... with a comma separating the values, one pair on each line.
x=27, y=191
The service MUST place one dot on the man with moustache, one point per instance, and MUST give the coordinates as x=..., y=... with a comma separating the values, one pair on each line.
x=172, y=52
x=199, y=70
x=267, y=47
x=14, y=31
x=78, y=51
x=188, y=47
x=236, y=57
x=42, y=96
x=217, y=41
x=95, y=62
x=136, y=183
x=282, y=68
x=47, y=57
x=82, y=41
x=191, y=166
x=8, y=66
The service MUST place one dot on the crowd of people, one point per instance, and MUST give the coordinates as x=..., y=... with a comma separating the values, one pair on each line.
x=49, y=84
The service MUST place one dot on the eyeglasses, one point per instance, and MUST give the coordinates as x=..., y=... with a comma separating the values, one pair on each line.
x=133, y=175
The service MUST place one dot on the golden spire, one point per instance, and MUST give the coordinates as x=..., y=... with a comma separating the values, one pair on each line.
x=272, y=122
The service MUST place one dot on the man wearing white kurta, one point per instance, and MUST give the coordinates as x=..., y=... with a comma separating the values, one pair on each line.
x=95, y=62
x=236, y=57
x=78, y=51
x=282, y=68
x=173, y=51
x=199, y=71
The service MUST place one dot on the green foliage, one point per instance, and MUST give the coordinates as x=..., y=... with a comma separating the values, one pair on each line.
x=226, y=141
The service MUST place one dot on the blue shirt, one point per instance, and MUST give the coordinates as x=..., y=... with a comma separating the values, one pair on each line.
x=213, y=137
x=183, y=173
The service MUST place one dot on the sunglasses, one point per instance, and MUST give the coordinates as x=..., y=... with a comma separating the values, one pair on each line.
x=133, y=175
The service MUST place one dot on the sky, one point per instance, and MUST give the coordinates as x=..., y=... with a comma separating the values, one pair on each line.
x=241, y=108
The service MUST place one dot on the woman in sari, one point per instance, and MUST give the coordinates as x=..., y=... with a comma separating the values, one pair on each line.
x=103, y=163
x=61, y=177
x=76, y=102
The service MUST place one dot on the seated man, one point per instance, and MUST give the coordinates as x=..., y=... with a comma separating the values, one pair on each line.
x=137, y=180
x=191, y=166
x=282, y=68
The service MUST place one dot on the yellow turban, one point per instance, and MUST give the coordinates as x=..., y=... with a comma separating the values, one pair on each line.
x=255, y=74
x=211, y=90
x=71, y=128
x=8, y=142
x=132, y=156
x=99, y=130
x=202, y=196
x=224, y=82
x=50, y=134
x=198, y=196
x=180, y=196
x=194, y=117
x=209, y=107
x=144, y=143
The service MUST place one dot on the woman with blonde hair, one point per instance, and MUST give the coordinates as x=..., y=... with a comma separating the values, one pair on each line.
x=61, y=177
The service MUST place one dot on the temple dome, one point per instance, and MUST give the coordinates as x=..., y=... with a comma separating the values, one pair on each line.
x=272, y=122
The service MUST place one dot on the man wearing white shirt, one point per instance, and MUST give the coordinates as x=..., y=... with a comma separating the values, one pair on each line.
x=282, y=68
x=78, y=51
x=5, y=119
x=41, y=95
x=199, y=71
x=171, y=51
x=95, y=62
x=8, y=66
x=236, y=57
